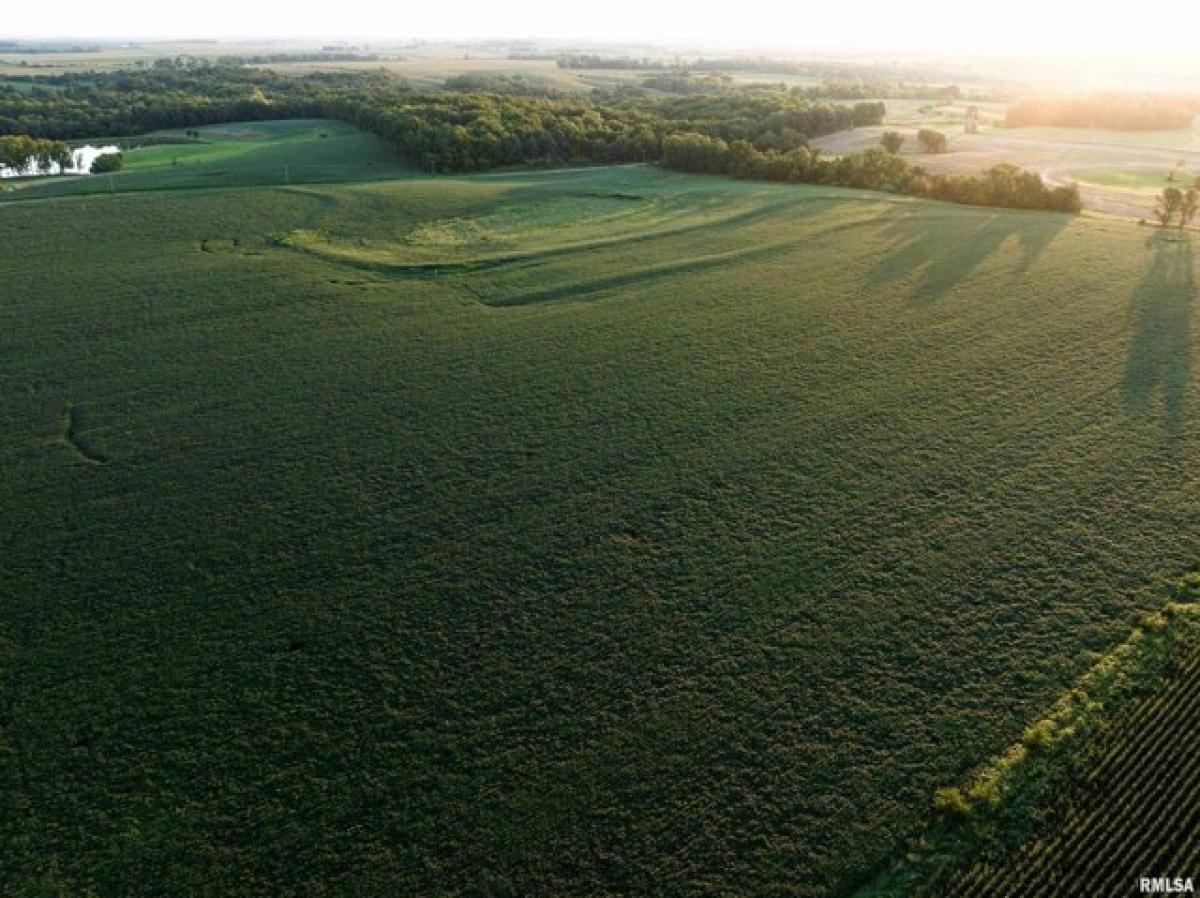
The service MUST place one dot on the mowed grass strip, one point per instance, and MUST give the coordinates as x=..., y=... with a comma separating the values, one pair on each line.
x=581, y=574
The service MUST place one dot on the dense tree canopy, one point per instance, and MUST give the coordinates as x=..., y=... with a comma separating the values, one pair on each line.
x=108, y=162
x=460, y=130
x=24, y=153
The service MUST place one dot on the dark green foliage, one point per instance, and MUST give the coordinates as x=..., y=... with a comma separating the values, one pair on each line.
x=109, y=162
x=870, y=113
x=951, y=803
x=440, y=132
x=499, y=84
x=466, y=132
x=686, y=83
x=125, y=103
x=21, y=152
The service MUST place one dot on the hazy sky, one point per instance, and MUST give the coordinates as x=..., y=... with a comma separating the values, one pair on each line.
x=1093, y=28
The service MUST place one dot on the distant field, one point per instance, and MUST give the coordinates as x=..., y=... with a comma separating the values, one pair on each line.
x=431, y=72
x=1138, y=180
x=62, y=64
x=252, y=154
x=1188, y=140
x=112, y=57
x=583, y=532
x=747, y=77
x=1117, y=171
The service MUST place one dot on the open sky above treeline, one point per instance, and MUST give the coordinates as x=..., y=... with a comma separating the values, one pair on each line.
x=1091, y=29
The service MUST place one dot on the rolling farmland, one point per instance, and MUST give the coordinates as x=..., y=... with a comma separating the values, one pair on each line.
x=596, y=531
x=1105, y=164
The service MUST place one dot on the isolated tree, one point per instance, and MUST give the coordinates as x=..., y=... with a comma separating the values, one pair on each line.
x=892, y=141
x=109, y=162
x=931, y=141
x=1170, y=204
x=1189, y=206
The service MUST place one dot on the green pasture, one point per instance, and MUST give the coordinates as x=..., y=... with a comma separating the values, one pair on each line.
x=243, y=155
x=586, y=532
x=1136, y=180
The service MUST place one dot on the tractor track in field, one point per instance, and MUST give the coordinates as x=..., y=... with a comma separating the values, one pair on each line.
x=73, y=435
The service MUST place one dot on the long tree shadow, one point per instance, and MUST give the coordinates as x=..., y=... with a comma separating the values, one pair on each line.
x=944, y=253
x=1160, y=353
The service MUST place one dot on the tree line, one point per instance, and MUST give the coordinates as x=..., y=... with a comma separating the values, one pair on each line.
x=445, y=131
x=166, y=95
x=882, y=90
x=689, y=81
x=472, y=132
x=314, y=56
x=874, y=169
x=630, y=63
x=23, y=153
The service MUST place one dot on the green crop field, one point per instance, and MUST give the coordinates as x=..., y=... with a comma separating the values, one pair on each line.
x=584, y=532
x=248, y=154
x=1134, y=814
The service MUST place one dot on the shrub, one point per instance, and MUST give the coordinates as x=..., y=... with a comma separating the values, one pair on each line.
x=931, y=141
x=1039, y=736
x=109, y=162
x=950, y=802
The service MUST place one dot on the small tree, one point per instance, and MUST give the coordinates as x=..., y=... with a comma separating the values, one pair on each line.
x=951, y=803
x=931, y=141
x=1189, y=206
x=1170, y=203
x=109, y=162
x=892, y=141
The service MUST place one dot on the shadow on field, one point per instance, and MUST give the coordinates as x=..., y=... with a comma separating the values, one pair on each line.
x=1161, y=349
x=943, y=253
